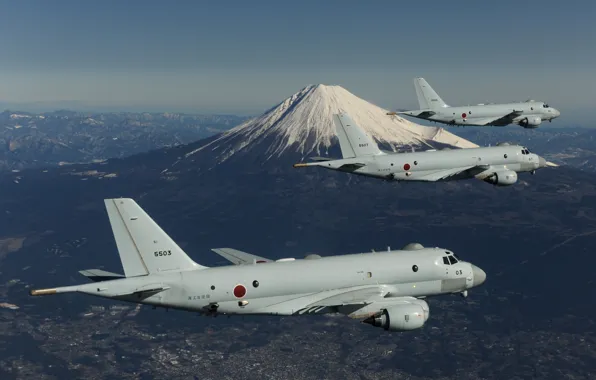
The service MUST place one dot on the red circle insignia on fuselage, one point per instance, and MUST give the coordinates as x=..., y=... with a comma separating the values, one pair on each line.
x=406, y=166
x=463, y=115
x=239, y=291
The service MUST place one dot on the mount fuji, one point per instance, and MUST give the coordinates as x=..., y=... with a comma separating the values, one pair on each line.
x=303, y=124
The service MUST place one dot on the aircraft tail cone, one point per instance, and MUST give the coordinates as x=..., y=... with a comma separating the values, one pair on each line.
x=47, y=292
x=42, y=292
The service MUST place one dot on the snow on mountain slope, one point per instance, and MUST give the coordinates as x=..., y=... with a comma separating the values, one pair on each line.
x=303, y=123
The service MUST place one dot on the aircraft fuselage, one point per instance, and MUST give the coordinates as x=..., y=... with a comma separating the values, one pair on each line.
x=419, y=166
x=531, y=114
x=289, y=287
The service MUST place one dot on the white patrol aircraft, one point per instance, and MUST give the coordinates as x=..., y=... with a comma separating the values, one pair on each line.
x=497, y=165
x=528, y=114
x=384, y=289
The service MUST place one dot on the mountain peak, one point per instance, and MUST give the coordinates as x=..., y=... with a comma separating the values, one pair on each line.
x=303, y=123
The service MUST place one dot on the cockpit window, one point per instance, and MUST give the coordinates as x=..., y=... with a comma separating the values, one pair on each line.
x=450, y=260
x=525, y=150
x=545, y=105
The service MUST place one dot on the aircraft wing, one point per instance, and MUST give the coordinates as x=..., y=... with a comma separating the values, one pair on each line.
x=352, y=297
x=499, y=121
x=238, y=257
x=447, y=174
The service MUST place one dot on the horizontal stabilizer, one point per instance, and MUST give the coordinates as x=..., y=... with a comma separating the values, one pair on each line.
x=426, y=114
x=240, y=258
x=100, y=275
x=351, y=167
x=319, y=159
x=141, y=293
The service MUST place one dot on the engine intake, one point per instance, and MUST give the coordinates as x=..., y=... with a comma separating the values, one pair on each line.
x=404, y=317
x=502, y=178
x=530, y=122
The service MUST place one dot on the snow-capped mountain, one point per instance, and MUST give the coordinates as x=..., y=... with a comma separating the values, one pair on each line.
x=303, y=124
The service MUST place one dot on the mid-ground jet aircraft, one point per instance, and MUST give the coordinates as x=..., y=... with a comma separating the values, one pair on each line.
x=497, y=165
x=380, y=288
x=527, y=114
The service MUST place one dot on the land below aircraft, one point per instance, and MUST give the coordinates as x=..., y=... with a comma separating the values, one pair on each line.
x=528, y=114
x=384, y=289
x=497, y=165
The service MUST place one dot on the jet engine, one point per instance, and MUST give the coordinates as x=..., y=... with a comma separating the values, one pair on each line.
x=404, y=317
x=502, y=178
x=530, y=122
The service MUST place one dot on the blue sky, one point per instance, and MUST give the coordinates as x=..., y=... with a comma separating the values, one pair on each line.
x=244, y=56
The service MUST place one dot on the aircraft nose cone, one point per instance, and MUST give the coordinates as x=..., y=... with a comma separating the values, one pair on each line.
x=542, y=162
x=557, y=113
x=479, y=276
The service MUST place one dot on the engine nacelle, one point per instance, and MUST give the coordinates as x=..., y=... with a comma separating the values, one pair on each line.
x=404, y=317
x=531, y=122
x=502, y=178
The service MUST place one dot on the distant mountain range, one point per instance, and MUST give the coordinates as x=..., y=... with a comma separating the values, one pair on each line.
x=29, y=140
x=238, y=189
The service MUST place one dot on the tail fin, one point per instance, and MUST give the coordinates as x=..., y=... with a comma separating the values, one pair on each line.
x=143, y=246
x=427, y=97
x=353, y=141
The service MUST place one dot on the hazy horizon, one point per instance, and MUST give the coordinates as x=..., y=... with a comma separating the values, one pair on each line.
x=241, y=58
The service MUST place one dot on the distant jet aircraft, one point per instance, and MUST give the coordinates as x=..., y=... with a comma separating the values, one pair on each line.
x=497, y=165
x=527, y=114
x=380, y=288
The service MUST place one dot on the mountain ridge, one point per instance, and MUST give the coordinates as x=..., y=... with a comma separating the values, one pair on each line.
x=303, y=123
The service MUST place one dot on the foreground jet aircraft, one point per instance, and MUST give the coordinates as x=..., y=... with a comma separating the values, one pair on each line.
x=527, y=114
x=497, y=165
x=380, y=288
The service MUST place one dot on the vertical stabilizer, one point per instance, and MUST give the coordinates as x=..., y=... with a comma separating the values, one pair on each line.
x=353, y=141
x=143, y=246
x=427, y=97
